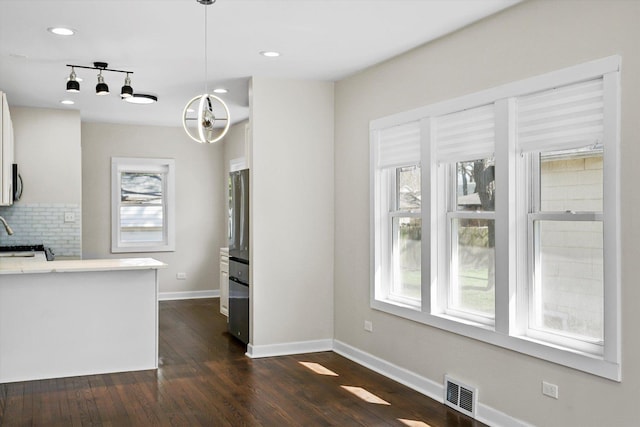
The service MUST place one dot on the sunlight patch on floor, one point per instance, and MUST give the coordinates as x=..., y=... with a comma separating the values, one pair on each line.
x=318, y=369
x=413, y=423
x=365, y=395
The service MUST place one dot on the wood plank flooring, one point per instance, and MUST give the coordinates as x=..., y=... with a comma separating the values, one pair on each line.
x=204, y=379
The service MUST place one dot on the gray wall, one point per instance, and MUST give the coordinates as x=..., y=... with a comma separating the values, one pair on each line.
x=529, y=39
x=200, y=192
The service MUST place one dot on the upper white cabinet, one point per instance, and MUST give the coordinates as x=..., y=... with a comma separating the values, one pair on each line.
x=6, y=154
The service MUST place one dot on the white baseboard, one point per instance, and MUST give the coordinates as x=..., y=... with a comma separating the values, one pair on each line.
x=169, y=296
x=284, y=349
x=403, y=376
x=484, y=413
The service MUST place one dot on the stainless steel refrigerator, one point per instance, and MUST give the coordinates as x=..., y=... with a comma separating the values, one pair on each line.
x=239, y=255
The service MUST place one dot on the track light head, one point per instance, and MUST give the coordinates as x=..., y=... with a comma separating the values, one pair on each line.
x=127, y=90
x=101, y=87
x=73, y=85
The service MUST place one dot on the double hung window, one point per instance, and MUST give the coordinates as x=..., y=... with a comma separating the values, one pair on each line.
x=142, y=193
x=466, y=172
x=560, y=138
x=397, y=160
x=516, y=193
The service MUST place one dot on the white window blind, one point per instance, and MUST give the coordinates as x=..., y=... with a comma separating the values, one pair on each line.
x=399, y=145
x=466, y=135
x=561, y=118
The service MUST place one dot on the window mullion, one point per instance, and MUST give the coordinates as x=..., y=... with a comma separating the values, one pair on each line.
x=611, y=200
x=505, y=236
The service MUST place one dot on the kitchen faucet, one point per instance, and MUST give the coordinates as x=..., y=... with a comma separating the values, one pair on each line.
x=6, y=226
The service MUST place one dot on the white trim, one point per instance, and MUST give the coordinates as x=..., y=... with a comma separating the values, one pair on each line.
x=171, y=296
x=423, y=385
x=285, y=349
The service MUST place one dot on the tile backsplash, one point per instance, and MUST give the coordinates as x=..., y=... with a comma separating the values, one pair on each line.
x=44, y=223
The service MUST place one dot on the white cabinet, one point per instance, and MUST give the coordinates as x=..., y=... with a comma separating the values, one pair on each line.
x=224, y=281
x=6, y=154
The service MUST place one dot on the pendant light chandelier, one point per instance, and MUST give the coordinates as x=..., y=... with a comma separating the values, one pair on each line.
x=206, y=106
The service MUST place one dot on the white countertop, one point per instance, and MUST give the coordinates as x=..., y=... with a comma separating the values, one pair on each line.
x=18, y=265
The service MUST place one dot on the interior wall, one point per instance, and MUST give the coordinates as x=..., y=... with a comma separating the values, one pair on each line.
x=200, y=199
x=292, y=211
x=531, y=38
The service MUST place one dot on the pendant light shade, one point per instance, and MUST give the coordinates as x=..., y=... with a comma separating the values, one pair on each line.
x=73, y=85
x=101, y=87
x=127, y=90
x=212, y=118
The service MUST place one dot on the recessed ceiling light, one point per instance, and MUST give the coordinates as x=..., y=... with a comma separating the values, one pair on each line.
x=67, y=102
x=270, y=53
x=61, y=31
x=220, y=90
x=141, y=98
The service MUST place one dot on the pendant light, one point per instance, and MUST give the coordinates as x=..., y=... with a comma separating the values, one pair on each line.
x=72, y=84
x=206, y=105
x=126, y=90
x=101, y=88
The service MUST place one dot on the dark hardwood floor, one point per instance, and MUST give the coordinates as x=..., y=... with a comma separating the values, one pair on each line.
x=204, y=379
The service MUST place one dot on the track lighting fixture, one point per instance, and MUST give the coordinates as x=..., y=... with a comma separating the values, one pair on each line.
x=73, y=85
x=102, y=88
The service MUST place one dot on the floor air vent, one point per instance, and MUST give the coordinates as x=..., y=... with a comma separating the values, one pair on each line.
x=460, y=396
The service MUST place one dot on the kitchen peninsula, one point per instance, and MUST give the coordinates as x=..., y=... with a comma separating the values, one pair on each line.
x=77, y=317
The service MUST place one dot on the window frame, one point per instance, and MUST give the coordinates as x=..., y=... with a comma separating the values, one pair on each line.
x=120, y=165
x=533, y=212
x=511, y=312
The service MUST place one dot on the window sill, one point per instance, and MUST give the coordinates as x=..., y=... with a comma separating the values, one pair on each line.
x=554, y=353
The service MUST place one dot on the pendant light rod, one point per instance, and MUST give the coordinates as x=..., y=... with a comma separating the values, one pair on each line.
x=206, y=74
x=98, y=66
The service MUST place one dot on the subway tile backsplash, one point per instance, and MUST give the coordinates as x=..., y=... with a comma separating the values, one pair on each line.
x=44, y=223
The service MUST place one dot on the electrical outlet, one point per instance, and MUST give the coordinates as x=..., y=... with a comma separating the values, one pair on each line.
x=69, y=217
x=181, y=276
x=549, y=389
x=368, y=326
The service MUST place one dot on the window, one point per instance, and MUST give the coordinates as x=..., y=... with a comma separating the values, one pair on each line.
x=560, y=134
x=142, y=193
x=466, y=237
x=399, y=214
x=520, y=216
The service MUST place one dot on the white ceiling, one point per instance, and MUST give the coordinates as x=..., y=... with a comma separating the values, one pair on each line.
x=162, y=42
